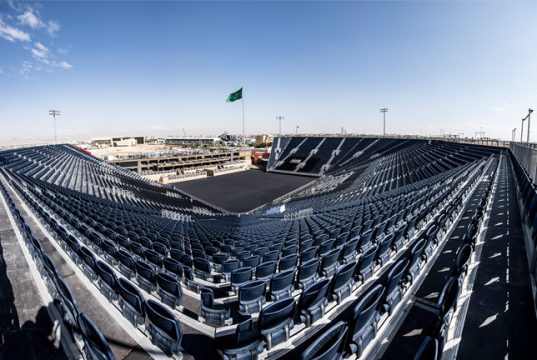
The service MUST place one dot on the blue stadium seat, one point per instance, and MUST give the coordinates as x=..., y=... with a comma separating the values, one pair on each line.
x=163, y=328
x=276, y=321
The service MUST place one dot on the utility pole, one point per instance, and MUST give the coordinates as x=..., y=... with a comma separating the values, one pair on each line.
x=54, y=113
x=280, y=118
x=384, y=111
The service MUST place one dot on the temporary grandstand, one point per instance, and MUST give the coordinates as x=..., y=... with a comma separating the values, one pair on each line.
x=397, y=249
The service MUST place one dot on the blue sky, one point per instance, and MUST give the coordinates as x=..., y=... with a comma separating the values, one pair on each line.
x=154, y=68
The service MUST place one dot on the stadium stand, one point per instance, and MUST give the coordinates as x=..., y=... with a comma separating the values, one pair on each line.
x=328, y=275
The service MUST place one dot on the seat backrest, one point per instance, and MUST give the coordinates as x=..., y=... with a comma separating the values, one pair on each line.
x=144, y=270
x=309, y=269
x=328, y=344
x=131, y=295
x=241, y=275
x=367, y=257
x=365, y=309
x=252, y=290
x=276, y=313
x=330, y=258
x=173, y=266
x=448, y=296
x=343, y=275
x=416, y=250
x=287, y=262
x=251, y=261
x=207, y=297
x=202, y=265
x=169, y=284
x=265, y=269
x=164, y=319
x=394, y=275
x=229, y=265
x=282, y=280
x=94, y=339
x=106, y=273
x=308, y=254
x=314, y=295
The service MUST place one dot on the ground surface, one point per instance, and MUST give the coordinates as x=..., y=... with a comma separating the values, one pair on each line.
x=243, y=191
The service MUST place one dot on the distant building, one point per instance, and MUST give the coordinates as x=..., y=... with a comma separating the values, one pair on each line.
x=262, y=139
x=189, y=141
x=118, y=141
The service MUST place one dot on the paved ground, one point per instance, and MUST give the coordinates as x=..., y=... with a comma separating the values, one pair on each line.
x=243, y=191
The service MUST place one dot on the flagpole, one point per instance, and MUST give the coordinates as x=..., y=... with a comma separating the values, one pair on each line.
x=243, y=136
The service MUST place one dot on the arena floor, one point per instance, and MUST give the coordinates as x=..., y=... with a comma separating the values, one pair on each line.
x=243, y=191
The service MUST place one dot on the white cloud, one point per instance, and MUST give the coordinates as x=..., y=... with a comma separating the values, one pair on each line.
x=40, y=51
x=64, y=65
x=30, y=19
x=12, y=34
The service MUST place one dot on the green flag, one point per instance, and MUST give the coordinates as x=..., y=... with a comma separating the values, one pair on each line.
x=235, y=96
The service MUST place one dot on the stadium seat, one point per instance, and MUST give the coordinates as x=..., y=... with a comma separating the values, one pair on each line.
x=281, y=285
x=169, y=289
x=131, y=302
x=211, y=313
x=265, y=271
x=163, y=327
x=307, y=273
x=145, y=276
x=276, y=321
x=329, y=345
x=342, y=282
x=394, y=280
x=313, y=301
x=364, y=320
x=247, y=344
x=251, y=296
x=365, y=266
x=329, y=262
x=107, y=281
x=239, y=277
x=95, y=344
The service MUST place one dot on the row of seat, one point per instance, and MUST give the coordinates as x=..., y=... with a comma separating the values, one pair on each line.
x=81, y=328
x=157, y=321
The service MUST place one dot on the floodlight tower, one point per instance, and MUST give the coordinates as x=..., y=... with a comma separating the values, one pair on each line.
x=296, y=131
x=528, y=117
x=513, y=134
x=384, y=111
x=280, y=118
x=54, y=113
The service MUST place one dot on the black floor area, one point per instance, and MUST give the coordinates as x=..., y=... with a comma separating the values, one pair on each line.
x=501, y=322
x=243, y=191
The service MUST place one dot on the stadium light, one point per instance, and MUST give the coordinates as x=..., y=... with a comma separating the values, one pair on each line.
x=528, y=117
x=296, y=131
x=513, y=134
x=384, y=111
x=280, y=118
x=55, y=113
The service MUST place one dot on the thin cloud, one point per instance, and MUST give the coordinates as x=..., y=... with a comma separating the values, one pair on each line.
x=12, y=34
x=28, y=18
x=64, y=65
x=40, y=51
x=32, y=19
